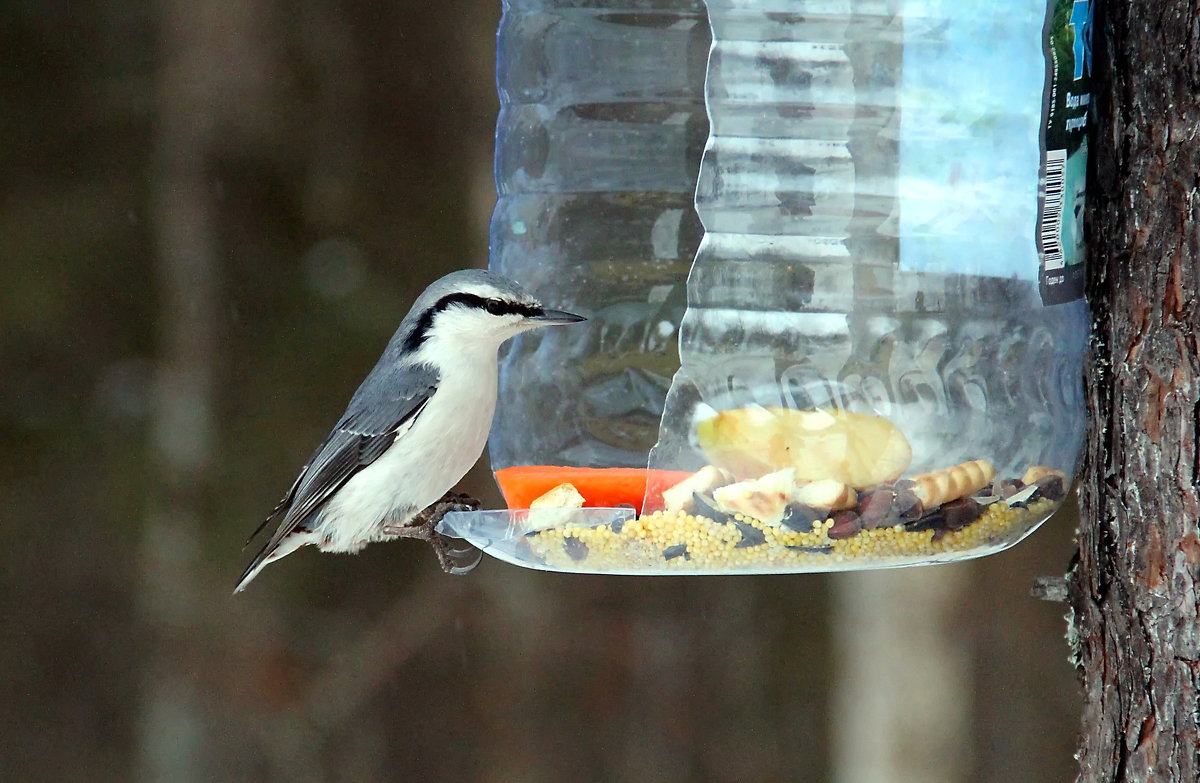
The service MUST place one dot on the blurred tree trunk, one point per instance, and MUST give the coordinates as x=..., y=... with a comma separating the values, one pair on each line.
x=902, y=693
x=214, y=85
x=1135, y=619
x=171, y=727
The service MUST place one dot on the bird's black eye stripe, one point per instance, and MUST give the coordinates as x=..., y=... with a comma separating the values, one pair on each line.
x=505, y=307
x=492, y=306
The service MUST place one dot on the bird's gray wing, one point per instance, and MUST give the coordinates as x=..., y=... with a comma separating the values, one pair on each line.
x=369, y=427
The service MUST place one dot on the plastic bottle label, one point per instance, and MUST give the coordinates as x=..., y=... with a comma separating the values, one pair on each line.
x=1066, y=104
x=993, y=150
x=970, y=97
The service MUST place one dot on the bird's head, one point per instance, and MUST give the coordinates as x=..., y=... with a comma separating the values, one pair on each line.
x=476, y=307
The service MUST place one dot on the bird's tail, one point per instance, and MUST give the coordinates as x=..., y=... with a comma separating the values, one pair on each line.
x=269, y=554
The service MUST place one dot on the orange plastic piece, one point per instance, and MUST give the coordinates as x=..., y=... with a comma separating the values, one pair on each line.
x=600, y=487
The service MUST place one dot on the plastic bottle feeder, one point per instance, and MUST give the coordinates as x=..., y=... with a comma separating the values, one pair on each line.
x=831, y=255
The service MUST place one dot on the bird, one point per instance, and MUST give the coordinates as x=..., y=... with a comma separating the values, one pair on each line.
x=415, y=426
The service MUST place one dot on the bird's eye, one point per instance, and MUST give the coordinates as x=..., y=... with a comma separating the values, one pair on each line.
x=494, y=306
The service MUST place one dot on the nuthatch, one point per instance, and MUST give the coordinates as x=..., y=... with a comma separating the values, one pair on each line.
x=415, y=426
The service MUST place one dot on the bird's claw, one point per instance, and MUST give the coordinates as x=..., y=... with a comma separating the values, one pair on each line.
x=426, y=530
x=447, y=557
x=454, y=501
x=476, y=555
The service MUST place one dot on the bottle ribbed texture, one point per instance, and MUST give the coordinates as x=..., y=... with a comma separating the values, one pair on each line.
x=834, y=206
x=869, y=230
x=598, y=146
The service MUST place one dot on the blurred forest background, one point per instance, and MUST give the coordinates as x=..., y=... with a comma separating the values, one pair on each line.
x=212, y=216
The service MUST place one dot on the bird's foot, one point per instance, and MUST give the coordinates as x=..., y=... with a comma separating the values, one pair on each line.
x=424, y=528
x=452, y=501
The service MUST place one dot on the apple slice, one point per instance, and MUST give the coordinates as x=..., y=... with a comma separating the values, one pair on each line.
x=854, y=448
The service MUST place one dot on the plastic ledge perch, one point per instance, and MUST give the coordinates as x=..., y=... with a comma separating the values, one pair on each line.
x=614, y=541
x=503, y=533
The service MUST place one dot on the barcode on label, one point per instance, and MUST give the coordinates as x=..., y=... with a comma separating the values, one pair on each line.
x=1050, y=232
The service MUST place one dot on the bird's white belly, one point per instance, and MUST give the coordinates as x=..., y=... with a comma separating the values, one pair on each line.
x=423, y=463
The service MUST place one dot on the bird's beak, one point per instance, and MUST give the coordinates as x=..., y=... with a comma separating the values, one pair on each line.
x=555, y=317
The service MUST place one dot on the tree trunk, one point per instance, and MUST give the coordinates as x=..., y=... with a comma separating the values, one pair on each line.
x=213, y=88
x=907, y=722
x=1135, y=624
x=172, y=733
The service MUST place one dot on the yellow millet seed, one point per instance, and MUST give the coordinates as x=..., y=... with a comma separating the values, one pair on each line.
x=682, y=542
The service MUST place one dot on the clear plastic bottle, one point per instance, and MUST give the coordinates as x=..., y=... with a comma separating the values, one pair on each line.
x=598, y=146
x=882, y=345
x=870, y=213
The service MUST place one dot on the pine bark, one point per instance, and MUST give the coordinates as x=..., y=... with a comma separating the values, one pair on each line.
x=1135, y=611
